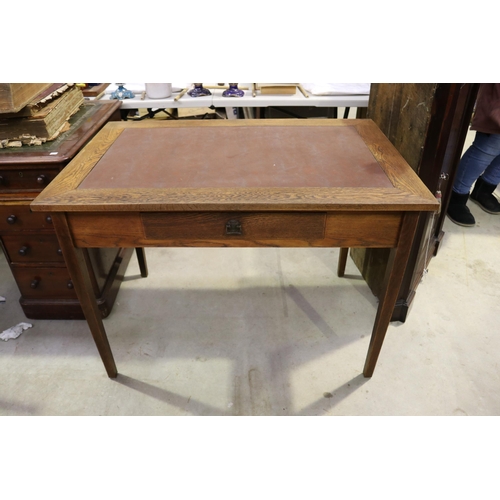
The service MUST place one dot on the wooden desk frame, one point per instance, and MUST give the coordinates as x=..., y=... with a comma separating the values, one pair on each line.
x=332, y=217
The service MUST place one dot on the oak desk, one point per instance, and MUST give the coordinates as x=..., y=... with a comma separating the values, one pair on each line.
x=284, y=183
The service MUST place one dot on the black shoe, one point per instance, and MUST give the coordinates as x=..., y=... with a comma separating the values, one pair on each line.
x=482, y=194
x=458, y=212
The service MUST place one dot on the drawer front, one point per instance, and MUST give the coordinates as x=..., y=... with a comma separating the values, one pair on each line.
x=35, y=179
x=28, y=247
x=18, y=217
x=234, y=225
x=40, y=282
x=239, y=229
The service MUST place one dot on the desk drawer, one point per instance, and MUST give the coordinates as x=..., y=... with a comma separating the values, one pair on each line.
x=19, y=217
x=32, y=179
x=28, y=247
x=239, y=229
x=40, y=282
x=234, y=225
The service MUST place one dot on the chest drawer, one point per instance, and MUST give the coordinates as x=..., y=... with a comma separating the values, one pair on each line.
x=26, y=247
x=26, y=179
x=19, y=217
x=40, y=282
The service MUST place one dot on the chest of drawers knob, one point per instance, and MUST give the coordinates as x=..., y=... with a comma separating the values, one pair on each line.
x=48, y=219
x=23, y=250
x=11, y=219
x=70, y=285
x=41, y=179
x=34, y=283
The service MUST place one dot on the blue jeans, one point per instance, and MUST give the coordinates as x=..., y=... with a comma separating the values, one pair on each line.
x=483, y=157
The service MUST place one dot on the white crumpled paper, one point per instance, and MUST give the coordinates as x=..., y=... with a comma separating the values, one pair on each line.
x=14, y=331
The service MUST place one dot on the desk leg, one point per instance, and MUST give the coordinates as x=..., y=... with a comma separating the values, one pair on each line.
x=392, y=283
x=80, y=275
x=343, y=254
x=141, y=259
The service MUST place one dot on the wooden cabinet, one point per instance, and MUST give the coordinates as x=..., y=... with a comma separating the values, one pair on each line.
x=428, y=124
x=28, y=239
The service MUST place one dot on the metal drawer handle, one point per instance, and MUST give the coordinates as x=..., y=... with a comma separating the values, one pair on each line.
x=233, y=227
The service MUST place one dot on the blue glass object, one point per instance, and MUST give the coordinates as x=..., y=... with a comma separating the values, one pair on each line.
x=233, y=91
x=122, y=93
x=199, y=91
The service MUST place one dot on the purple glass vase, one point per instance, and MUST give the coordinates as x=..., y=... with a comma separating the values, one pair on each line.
x=199, y=91
x=233, y=91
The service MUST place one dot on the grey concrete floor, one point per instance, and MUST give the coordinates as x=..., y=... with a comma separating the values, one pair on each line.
x=268, y=332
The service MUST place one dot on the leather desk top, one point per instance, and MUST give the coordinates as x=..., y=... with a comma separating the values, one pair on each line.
x=226, y=157
x=237, y=165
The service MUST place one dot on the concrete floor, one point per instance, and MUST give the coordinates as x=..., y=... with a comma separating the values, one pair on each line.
x=268, y=332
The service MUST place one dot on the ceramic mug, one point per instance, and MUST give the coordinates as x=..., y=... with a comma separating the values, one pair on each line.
x=158, y=90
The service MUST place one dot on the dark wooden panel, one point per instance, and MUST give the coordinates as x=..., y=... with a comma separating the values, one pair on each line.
x=16, y=217
x=44, y=282
x=42, y=307
x=27, y=247
x=403, y=113
x=428, y=124
x=26, y=179
x=264, y=225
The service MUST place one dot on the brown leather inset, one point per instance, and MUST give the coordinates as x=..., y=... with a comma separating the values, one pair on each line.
x=219, y=157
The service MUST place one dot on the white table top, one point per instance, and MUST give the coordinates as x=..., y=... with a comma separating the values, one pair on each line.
x=216, y=100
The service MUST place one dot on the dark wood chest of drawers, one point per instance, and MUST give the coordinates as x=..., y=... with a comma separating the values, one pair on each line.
x=28, y=239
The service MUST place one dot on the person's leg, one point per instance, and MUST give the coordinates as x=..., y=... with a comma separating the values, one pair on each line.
x=491, y=175
x=476, y=160
x=482, y=193
x=482, y=156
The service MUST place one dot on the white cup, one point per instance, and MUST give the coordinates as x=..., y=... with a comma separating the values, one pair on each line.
x=158, y=90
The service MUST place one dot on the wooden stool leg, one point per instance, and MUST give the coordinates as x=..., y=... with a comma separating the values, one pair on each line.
x=141, y=258
x=80, y=275
x=344, y=252
x=396, y=266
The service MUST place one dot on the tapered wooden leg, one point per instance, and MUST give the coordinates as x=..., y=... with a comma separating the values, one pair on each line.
x=392, y=282
x=141, y=258
x=344, y=252
x=80, y=275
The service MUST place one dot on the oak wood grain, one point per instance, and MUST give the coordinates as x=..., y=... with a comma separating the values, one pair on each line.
x=407, y=193
x=370, y=229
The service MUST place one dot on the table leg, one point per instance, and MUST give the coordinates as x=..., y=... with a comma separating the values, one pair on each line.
x=141, y=258
x=392, y=282
x=344, y=252
x=80, y=275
